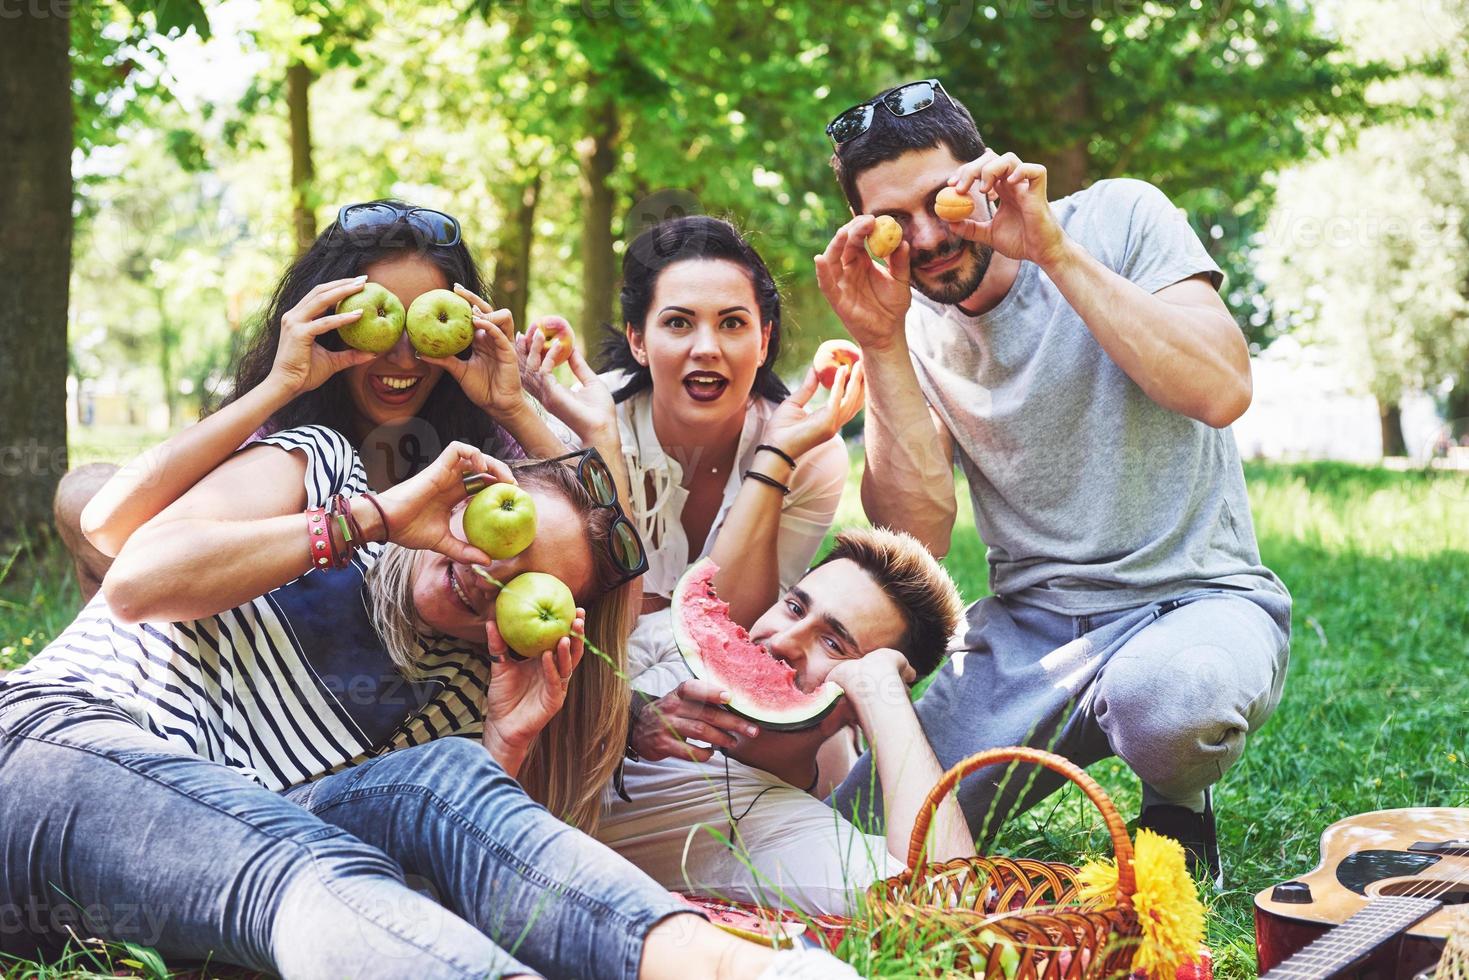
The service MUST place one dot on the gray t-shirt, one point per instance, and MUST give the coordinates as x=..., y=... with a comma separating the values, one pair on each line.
x=1089, y=495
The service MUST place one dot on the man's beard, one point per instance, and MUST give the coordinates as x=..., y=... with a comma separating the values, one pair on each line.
x=957, y=284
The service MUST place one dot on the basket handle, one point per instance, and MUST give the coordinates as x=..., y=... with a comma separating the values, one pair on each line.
x=1116, y=828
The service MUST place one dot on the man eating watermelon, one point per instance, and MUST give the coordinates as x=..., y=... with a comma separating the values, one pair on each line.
x=742, y=818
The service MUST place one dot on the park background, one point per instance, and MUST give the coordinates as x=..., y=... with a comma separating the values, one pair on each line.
x=164, y=159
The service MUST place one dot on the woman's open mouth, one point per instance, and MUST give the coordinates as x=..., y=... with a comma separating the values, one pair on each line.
x=705, y=386
x=459, y=591
x=395, y=389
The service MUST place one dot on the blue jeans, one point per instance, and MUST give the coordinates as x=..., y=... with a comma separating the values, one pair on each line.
x=1173, y=688
x=425, y=862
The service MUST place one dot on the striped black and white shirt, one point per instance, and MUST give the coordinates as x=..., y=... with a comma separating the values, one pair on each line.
x=287, y=687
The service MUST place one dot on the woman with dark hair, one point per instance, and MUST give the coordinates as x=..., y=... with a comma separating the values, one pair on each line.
x=277, y=739
x=722, y=459
x=396, y=407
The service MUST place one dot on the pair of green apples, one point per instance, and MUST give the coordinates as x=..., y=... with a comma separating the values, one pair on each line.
x=440, y=322
x=534, y=610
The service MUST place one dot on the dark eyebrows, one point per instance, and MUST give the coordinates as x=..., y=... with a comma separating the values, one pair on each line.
x=735, y=309
x=678, y=309
x=899, y=213
x=836, y=624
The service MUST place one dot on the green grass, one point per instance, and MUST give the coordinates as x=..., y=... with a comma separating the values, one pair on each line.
x=1378, y=563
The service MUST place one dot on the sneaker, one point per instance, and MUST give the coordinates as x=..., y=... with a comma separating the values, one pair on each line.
x=1195, y=831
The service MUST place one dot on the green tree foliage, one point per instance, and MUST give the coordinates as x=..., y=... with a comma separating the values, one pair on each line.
x=1370, y=248
x=719, y=106
x=1205, y=99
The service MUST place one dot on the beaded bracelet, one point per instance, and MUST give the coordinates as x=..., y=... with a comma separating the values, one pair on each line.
x=769, y=481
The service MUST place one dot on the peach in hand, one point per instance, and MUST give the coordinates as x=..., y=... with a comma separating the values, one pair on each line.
x=831, y=356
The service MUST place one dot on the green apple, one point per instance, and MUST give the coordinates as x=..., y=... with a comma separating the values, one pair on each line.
x=440, y=324
x=501, y=520
x=533, y=612
x=381, y=323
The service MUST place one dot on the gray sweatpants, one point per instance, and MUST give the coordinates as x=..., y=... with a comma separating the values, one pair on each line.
x=1172, y=688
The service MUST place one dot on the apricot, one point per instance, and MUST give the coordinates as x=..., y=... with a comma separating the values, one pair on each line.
x=953, y=206
x=886, y=236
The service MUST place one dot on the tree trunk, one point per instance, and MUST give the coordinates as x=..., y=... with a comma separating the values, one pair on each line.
x=598, y=153
x=1391, y=417
x=1458, y=403
x=303, y=209
x=167, y=341
x=511, y=286
x=35, y=262
x=1069, y=170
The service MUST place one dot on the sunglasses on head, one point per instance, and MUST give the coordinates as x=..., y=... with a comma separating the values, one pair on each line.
x=624, y=544
x=904, y=100
x=431, y=227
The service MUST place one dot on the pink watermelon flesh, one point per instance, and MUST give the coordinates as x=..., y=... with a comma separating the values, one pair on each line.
x=718, y=649
x=759, y=928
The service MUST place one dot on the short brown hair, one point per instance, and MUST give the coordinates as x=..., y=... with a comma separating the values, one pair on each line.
x=918, y=585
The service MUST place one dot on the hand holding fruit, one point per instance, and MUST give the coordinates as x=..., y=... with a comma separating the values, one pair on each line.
x=524, y=695
x=693, y=710
x=796, y=429
x=586, y=407
x=418, y=509
x=560, y=339
x=1023, y=226
x=870, y=299
x=491, y=376
x=301, y=364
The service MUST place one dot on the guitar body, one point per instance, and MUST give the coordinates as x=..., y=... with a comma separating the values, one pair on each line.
x=1366, y=859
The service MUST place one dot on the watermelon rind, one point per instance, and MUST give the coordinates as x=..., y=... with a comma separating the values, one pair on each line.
x=809, y=714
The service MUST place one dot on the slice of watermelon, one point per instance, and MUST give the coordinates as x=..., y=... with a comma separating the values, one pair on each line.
x=718, y=650
x=767, y=928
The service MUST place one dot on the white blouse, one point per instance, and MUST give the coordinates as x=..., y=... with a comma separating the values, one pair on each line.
x=807, y=511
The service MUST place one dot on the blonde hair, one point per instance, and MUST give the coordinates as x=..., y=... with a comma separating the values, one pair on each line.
x=576, y=754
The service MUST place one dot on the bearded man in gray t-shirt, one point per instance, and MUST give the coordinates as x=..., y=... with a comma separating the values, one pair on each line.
x=1075, y=359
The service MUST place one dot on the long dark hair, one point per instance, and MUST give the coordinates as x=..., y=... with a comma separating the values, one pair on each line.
x=694, y=237
x=337, y=255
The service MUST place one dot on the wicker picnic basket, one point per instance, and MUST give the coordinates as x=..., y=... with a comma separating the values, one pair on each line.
x=1013, y=918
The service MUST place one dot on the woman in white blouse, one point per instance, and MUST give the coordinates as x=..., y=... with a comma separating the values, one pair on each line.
x=722, y=459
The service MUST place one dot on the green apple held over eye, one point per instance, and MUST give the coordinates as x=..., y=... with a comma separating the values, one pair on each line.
x=381, y=323
x=501, y=520
x=440, y=324
x=533, y=612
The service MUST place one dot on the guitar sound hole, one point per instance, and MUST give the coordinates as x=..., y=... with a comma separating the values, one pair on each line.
x=1448, y=892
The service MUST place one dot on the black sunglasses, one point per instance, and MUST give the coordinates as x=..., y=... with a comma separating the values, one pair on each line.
x=904, y=100
x=433, y=227
x=624, y=543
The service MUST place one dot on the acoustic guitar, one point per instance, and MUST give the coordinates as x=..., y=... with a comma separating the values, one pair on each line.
x=1390, y=888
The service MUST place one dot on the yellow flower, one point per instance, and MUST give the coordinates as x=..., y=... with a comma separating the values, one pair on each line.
x=1167, y=902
